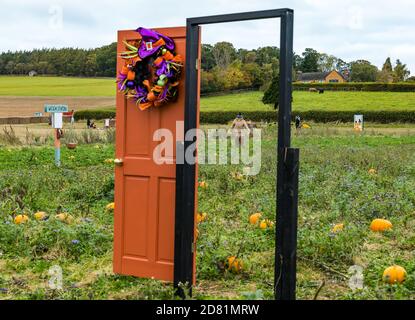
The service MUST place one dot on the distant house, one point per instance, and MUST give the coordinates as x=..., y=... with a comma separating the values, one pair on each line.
x=32, y=73
x=321, y=77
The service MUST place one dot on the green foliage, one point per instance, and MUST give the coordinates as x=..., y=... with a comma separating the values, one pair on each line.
x=63, y=62
x=272, y=94
x=311, y=115
x=400, y=72
x=310, y=60
x=363, y=71
x=96, y=114
x=335, y=187
x=358, y=86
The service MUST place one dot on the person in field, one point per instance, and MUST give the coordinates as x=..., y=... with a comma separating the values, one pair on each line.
x=238, y=125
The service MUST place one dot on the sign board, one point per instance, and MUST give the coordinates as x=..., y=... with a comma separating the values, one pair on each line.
x=358, y=122
x=57, y=120
x=38, y=114
x=52, y=108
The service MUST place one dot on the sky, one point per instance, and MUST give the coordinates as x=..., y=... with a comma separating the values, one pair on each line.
x=348, y=29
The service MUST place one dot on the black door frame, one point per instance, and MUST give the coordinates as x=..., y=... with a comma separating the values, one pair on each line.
x=287, y=163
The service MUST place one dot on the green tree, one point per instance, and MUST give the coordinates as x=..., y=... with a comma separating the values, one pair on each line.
x=363, y=71
x=224, y=54
x=400, y=72
x=208, y=60
x=386, y=74
x=272, y=94
x=310, y=60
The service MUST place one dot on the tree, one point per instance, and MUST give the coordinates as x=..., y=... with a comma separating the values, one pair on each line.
x=272, y=94
x=327, y=62
x=208, y=60
x=363, y=71
x=310, y=60
x=386, y=74
x=387, y=66
x=224, y=54
x=401, y=72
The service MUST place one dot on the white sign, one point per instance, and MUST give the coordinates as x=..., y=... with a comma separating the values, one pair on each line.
x=38, y=114
x=57, y=120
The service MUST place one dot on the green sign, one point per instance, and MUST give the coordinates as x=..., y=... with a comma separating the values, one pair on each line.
x=56, y=108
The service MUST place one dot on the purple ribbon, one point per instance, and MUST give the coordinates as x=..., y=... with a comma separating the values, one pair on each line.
x=152, y=36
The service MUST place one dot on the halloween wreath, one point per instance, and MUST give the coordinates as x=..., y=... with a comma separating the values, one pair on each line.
x=151, y=71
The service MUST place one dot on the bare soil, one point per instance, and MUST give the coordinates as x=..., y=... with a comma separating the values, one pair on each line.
x=27, y=106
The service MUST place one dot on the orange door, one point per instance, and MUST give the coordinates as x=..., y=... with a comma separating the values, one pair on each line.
x=144, y=190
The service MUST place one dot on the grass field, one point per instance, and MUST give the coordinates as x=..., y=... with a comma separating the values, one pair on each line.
x=29, y=94
x=57, y=86
x=335, y=187
x=304, y=101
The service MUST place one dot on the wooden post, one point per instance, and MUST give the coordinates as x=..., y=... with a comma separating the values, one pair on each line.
x=57, y=148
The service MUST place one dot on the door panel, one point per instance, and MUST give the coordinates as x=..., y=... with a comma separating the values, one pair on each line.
x=144, y=190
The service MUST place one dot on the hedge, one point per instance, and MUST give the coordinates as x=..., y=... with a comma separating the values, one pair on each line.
x=317, y=116
x=96, y=114
x=358, y=86
x=222, y=117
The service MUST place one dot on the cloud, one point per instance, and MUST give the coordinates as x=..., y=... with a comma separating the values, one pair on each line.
x=353, y=29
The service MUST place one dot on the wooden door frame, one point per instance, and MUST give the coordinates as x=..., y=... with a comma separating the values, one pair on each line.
x=287, y=159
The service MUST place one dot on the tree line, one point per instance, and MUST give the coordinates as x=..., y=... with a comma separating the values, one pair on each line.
x=224, y=67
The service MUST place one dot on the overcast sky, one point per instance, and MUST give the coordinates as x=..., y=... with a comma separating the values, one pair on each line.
x=349, y=29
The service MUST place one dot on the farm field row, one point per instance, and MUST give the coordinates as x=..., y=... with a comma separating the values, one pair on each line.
x=335, y=187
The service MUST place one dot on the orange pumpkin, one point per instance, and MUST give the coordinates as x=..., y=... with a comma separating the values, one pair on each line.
x=254, y=218
x=200, y=217
x=21, y=218
x=394, y=274
x=203, y=184
x=372, y=171
x=379, y=225
x=337, y=228
x=40, y=215
x=234, y=265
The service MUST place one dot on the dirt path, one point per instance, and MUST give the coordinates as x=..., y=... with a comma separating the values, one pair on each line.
x=27, y=106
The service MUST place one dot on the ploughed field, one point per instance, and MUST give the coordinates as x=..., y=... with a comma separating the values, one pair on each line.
x=336, y=187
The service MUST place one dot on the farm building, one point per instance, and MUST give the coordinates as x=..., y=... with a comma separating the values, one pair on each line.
x=321, y=77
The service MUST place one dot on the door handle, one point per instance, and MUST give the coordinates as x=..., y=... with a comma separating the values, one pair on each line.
x=119, y=162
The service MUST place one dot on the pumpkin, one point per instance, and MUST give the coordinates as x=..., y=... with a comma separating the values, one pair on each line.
x=40, y=215
x=372, y=171
x=64, y=217
x=380, y=225
x=266, y=224
x=234, y=265
x=21, y=218
x=203, y=184
x=110, y=206
x=109, y=160
x=337, y=228
x=254, y=218
x=394, y=274
x=200, y=217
